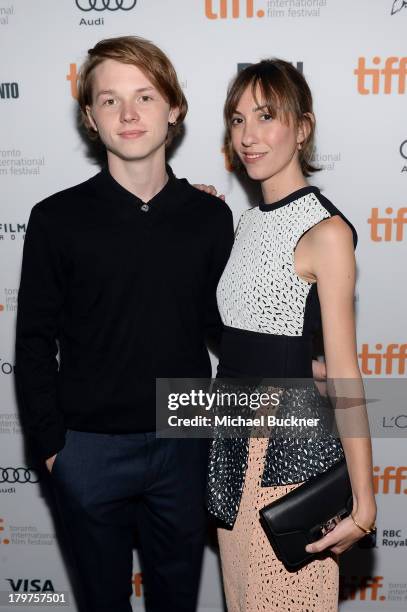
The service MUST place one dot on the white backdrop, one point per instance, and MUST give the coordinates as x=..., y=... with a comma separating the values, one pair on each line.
x=354, y=57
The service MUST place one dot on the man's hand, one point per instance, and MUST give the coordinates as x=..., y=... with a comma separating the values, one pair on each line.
x=209, y=189
x=319, y=370
x=50, y=462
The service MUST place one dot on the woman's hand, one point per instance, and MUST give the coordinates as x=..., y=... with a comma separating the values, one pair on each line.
x=342, y=537
x=209, y=189
x=319, y=370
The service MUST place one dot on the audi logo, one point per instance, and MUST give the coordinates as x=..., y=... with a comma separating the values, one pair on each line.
x=18, y=475
x=403, y=149
x=103, y=5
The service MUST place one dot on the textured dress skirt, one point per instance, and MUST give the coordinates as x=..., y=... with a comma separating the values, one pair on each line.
x=253, y=577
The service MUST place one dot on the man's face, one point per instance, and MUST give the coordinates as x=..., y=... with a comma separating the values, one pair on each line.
x=129, y=113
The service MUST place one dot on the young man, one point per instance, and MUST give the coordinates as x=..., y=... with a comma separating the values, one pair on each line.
x=121, y=272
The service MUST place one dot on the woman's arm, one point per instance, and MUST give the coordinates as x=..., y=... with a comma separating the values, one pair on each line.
x=332, y=263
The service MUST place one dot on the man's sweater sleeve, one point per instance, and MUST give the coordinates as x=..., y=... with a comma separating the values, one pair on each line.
x=40, y=301
x=222, y=246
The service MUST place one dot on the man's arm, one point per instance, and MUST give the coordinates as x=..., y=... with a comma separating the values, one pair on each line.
x=40, y=300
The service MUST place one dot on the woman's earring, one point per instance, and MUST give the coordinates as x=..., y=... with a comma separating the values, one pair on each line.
x=172, y=123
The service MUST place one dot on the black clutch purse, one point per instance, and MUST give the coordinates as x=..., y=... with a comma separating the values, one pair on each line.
x=309, y=512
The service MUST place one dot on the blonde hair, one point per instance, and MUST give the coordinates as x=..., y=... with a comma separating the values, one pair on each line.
x=149, y=59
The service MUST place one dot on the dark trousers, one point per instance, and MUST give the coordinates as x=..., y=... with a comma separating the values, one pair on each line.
x=108, y=487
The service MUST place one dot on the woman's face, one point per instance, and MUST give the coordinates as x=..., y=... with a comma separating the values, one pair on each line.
x=267, y=147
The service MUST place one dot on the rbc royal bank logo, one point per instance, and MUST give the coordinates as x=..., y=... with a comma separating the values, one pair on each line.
x=105, y=5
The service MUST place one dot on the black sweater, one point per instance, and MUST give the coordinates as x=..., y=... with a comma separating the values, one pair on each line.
x=127, y=291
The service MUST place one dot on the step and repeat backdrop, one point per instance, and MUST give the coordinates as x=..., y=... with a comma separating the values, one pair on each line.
x=354, y=56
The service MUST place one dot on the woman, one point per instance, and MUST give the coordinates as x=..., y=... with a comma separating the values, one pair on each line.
x=292, y=269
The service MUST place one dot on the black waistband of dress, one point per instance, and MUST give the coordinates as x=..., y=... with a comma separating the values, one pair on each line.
x=248, y=353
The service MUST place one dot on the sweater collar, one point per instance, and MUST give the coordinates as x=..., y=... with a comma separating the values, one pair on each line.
x=296, y=195
x=169, y=195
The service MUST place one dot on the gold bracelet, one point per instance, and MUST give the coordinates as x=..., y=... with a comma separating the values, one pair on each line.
x=372, y=528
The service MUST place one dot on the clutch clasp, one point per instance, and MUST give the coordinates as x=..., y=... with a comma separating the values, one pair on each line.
x=331, y=523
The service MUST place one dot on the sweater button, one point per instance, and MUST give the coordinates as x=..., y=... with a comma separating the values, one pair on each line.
x=145, y=208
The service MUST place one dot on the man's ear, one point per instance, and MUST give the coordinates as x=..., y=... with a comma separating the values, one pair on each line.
x=91, y=120
x=304, y=127
x=173, y=115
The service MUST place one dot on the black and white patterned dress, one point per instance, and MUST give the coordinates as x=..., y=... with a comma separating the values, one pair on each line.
x=270, y=317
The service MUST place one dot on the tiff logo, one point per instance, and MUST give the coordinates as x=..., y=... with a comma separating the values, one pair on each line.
x=375, y=77
x=72, y=77
x=9, y=90
x=362, y=588
x=386, y=225
x=137, y=584
x=224, y=9
x=3, y=540
x=391, y=474
x=383, y=359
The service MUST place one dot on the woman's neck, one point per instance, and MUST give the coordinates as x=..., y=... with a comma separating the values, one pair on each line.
x=282, y=184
